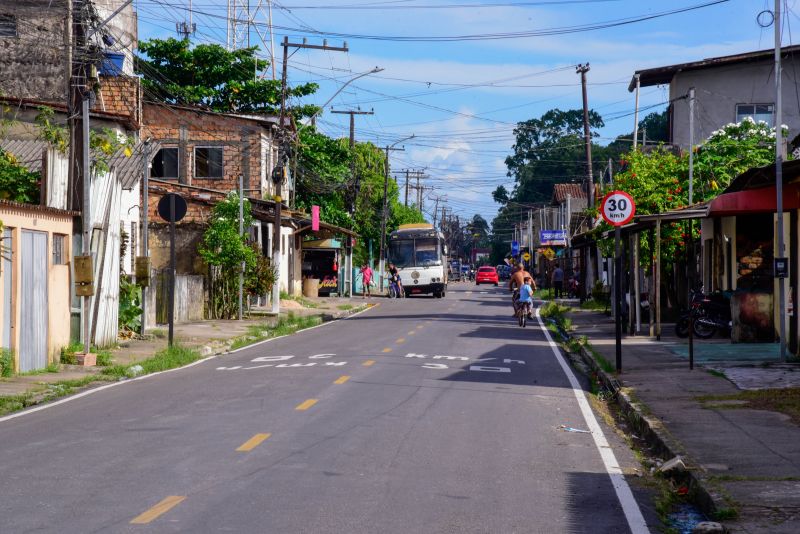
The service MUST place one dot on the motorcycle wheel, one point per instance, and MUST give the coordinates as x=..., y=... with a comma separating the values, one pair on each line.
x=682, y=327
x=521, y=317
x=392, y=292
x=703, y=331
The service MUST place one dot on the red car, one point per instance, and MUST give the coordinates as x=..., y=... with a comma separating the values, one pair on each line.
x=486, y=275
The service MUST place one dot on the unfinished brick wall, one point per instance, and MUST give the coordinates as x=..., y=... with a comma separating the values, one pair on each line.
x=186, y=129
x=121, y=95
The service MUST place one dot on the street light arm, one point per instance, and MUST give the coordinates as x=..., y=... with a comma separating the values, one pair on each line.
x=345, y=84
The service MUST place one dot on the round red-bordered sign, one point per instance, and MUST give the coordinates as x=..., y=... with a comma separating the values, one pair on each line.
x=617, y=208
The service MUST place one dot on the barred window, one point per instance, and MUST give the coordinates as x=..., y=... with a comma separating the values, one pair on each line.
x=8, y=25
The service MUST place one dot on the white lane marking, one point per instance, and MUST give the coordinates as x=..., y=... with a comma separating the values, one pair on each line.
x=131, y=380
x=489, y=369
x=630, y=508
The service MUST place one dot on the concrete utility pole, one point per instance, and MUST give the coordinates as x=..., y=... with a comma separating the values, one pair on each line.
x=356, y=183
x=384, y=213
x=279, y=172
x=405, y=203
x=636, y=113
x=779, y=178
x=145, y=224
x=587, y=135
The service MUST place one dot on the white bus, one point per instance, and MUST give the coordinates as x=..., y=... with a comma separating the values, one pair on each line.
x=420, y=255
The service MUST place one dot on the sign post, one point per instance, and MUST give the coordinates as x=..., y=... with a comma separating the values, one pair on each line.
x=618, y=208
x=171, y=208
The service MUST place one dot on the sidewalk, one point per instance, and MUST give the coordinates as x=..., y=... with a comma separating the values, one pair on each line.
x=744, y=461
x=207, y=337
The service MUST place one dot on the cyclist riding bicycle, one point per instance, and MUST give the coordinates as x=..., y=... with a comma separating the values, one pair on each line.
x=525, y=298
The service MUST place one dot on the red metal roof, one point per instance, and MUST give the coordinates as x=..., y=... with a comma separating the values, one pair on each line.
x=560, y=192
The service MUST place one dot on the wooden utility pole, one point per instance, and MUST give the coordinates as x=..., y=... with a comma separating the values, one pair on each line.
x=353, y=177
x=587, y=136
x=279, y=172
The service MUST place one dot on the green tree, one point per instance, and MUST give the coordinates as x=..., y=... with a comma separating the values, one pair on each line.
x=208, y=75
x=225, y=250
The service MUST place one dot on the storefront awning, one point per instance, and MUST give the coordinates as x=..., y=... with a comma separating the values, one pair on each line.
x=762, y=200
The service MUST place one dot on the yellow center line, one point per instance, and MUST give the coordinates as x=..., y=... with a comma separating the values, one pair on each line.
x=163, y=507
x=368, y=363
x=400, y=340
x=253, y=442
x=305, y=405
x=342, y=379
x=387, y=349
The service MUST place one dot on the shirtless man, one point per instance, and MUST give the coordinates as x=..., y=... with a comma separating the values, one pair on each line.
x=517, y=281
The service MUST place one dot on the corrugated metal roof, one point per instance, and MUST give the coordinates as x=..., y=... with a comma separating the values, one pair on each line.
x=560, y=192
x=27, y=151
x=130, y=169
x=660, y=75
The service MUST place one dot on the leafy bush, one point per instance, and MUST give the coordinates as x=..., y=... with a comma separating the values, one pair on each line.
x=16, y=182
x=6, y=363
x=130, y=309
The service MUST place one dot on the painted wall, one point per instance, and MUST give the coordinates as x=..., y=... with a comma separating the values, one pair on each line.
x=25, y=217
x=718, y=90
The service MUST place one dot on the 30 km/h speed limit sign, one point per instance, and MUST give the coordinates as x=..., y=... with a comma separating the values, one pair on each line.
x=617, y=208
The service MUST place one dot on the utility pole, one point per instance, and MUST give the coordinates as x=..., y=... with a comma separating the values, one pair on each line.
x=636, y=113
x=78, y=121
x=279, y=172
x=582, y=70
x=356, y=183
x=186, y=29
x=406, y=200
x=779, y=179
x=384, y=213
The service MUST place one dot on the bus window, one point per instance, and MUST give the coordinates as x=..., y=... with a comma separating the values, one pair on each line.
x=427, y=252
x=401, y=253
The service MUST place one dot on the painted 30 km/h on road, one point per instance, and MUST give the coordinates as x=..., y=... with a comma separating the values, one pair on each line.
x=617, y=208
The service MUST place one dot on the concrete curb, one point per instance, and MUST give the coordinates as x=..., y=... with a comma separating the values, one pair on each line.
x=655, y=434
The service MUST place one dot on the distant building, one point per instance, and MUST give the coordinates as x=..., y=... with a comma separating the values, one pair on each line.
x=727, y=89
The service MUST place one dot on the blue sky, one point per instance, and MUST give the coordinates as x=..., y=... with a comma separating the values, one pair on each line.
x=462, y=98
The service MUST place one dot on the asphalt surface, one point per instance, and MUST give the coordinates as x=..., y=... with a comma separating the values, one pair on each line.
x=420, y=415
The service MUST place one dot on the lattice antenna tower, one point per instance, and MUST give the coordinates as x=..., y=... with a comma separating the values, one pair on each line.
x=250, y=24
x=186, y=28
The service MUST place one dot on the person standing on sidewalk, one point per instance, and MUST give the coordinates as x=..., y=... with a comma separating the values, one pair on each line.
x=366, y=277
x=558, y=281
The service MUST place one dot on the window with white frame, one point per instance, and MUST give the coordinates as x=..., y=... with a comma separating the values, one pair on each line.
x=166, y=164
x=208, y=162
x=757, y=112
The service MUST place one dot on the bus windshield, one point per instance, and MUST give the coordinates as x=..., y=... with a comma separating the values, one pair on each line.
x=414, y=252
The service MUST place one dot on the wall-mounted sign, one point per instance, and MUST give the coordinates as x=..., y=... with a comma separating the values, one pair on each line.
x=515, y=248
x=550, y=238
x=315, y=218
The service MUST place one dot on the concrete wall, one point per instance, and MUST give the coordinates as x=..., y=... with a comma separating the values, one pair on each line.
x=25, y=217
x=189, y=299
x=719, y=89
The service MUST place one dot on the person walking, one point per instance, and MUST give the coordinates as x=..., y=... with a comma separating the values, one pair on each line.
x=558, y=281
x=366, y=278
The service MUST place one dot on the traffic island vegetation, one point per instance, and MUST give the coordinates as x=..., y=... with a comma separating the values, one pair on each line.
x=284, y=327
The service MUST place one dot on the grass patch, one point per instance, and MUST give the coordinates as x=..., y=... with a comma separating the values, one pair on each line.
x=68, y=352
x=158, y=333
x=726, y=514
x=785, y=401
x=716, y=373
x=594, y=305
x=14, y=403
x=604, y=364
x=345, y=307
x=285, y=326
x=542, y=294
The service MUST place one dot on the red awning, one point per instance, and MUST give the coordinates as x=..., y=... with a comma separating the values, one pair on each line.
x=760, y=200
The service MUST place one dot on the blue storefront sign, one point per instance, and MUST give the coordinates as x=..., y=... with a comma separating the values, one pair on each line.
x=553, y=238
x=515, y=248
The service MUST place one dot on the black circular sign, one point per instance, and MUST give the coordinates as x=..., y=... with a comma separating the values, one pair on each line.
x=164, y=205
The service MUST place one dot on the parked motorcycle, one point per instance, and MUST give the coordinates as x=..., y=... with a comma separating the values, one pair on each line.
x=710, y=312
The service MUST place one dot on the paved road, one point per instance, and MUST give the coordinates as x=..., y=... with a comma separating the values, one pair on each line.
x=420, y=415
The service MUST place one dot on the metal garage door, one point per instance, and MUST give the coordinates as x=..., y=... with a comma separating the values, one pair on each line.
x=33, y=299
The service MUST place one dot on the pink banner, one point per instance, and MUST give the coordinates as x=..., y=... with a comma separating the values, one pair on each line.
x=315, y=218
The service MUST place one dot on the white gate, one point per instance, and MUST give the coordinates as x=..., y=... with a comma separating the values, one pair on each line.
x=33, y=300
